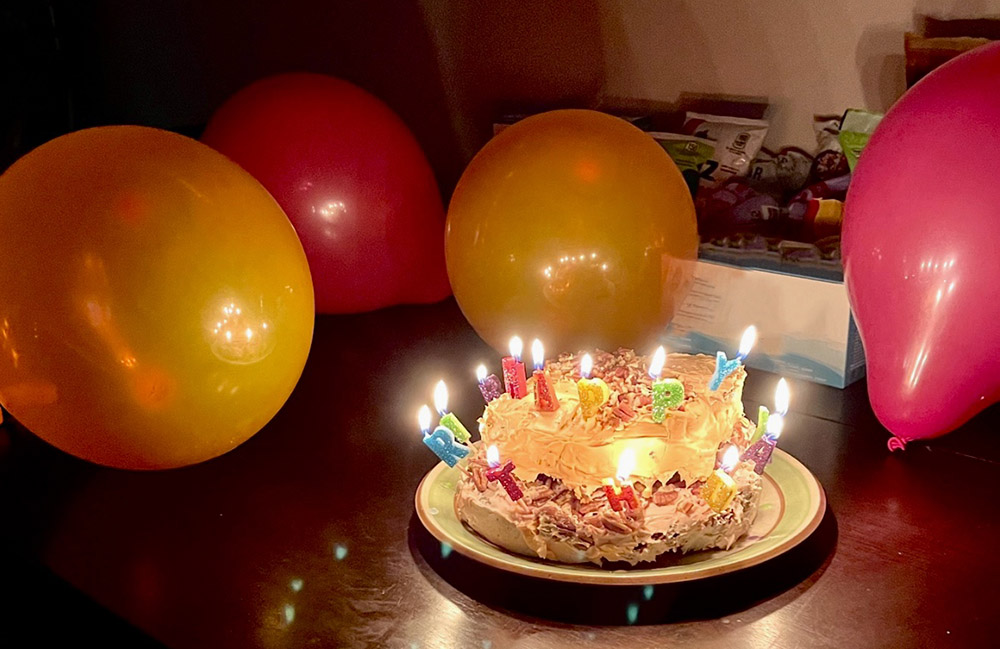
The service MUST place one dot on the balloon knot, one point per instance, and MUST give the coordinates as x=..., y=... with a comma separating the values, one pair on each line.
x=896, y=444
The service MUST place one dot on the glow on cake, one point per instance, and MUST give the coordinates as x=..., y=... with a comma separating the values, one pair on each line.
x=614, y=482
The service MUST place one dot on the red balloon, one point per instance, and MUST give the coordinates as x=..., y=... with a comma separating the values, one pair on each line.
x=920, y=232
x=353, y=181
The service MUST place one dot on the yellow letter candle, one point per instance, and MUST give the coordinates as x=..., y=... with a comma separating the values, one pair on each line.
x=593, y=392
x=720, y=488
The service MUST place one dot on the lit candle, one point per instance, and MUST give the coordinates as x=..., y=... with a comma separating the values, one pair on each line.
x=593, y=392
x=448, y=419
x=488, y=385
x=762, y=414
x=667, y=393
x=513, y=371
x=720, y=488
x=616, y=496
x=760, y=451
x=441, y=441
x=724, y=367
x=495, y=473
x=545, y=396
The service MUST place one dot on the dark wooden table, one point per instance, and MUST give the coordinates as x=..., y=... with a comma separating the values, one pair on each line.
x=306, y=534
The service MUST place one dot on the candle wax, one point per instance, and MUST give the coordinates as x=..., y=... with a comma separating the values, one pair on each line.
x=667, y=394
x=513, y=377
x=760, y=453
x=451, y=422
x=442, y=442
x=762, y=415
x=506, y=479
x=719, y=490
x=593, y=394
x=545, y=396
x=490, y=387
x=616, y=498
x=723, y=368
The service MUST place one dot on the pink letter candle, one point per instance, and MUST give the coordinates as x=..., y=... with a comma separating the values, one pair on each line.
x=503, y=475
x=626, y=462
x=545, y=396
x=488, y=385
x=441, y=441
x=448, y=419
x=514, y=379
x=760, y=451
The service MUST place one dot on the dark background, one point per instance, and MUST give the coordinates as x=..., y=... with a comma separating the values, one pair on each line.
x=70, y=64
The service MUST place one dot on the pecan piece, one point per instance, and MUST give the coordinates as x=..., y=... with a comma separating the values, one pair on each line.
x=664, y=496
x=612, y=524
x=479, y=477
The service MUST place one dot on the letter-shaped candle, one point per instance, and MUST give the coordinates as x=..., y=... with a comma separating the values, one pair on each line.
x=593, y=392
x=448, y=419
x=720, y=488
x=724, y=367
x=502, y=474
x=760, y=451
x=626, y=463
x=488, y=385
x=513, y=371
x=441, y=441
x=667, y=393
x=762, y=414
x=545, y=396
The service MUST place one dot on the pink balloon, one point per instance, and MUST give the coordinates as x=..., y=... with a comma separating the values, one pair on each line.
x=353, y=181
x=921, y=230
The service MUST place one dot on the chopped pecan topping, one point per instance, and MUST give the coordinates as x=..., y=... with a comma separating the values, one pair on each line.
x=665, y=496
x=479, y=477
x=612, y=524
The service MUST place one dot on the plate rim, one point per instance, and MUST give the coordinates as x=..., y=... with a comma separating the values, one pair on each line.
x=620, y=577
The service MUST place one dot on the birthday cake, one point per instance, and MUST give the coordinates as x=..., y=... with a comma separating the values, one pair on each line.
x=614, y=473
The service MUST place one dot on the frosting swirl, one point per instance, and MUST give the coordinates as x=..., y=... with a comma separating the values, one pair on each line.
x=584, y=452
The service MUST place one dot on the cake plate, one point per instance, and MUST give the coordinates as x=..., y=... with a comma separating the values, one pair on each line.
x=792, y=505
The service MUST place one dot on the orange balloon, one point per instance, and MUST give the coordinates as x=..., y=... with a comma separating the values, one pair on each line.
x=572, y=226
x=156, y=307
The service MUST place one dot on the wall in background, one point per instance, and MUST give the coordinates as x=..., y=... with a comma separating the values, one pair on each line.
x=448, y=67
x=805, y=56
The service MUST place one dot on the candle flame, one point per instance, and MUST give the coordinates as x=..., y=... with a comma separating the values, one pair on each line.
x=781, y=397
x=586, y=366
x=493, y=456
x=747, y=341
x=538, y=354
x=626, y=463
x=441, y=397
x=729, y=460
x=424, y=418
x=656, y=365
x=775, y=424
x=481, y=373
x=516, y=347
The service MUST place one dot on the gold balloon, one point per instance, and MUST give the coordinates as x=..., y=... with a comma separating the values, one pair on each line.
x=573, y=226
x=156, y=307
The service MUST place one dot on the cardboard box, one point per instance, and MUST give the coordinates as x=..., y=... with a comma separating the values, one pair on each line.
x=804, y=323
